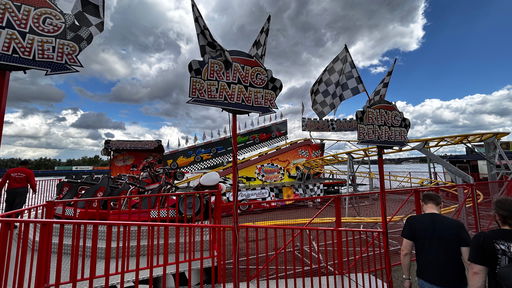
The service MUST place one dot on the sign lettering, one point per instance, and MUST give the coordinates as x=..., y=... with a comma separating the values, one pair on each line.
x=382, y=124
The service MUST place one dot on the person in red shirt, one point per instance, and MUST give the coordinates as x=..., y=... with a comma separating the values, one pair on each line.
x=18, y=180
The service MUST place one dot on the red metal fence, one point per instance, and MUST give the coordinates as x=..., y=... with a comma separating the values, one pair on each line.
x=46, y=189
x=330, y=241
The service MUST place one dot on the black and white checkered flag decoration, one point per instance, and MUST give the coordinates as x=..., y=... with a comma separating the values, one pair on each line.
x=275, y=85
x=208, y=46
x=259, y=47
x=85, y=21
x=338, y=82
x=380, y=92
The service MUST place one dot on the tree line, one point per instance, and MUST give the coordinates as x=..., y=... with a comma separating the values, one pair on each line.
x=45, y=163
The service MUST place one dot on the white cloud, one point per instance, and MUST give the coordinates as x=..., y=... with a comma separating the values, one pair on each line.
x=470, y=114
x=377, y=69
x=142, y=56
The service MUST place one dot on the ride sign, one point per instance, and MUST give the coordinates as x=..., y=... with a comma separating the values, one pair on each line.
x=233, y=80
x=246, y=86
x=36, y=34
x=382, y=124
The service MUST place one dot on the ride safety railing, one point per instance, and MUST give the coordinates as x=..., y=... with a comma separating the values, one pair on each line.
x=187, y=239
x=46, y=190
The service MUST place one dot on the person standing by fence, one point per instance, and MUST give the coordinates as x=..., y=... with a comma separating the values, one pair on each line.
x=490, y=255
x=441, y=244
x=18, y=179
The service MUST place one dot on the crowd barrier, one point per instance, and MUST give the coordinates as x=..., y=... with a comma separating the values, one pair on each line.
x=46, y=189
x=327, y=241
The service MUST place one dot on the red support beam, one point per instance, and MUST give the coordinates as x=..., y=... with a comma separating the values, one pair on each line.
x=4, y=90
x=384, y=216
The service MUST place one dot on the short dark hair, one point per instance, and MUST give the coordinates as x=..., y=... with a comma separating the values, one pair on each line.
x=24, y=162
x=431, y=198
x=503, y=208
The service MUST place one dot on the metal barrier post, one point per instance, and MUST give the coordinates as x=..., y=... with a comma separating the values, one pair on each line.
x=417, y=201
x=476, y=212
x=339, y=239
x=4, y=232
x=44, y=247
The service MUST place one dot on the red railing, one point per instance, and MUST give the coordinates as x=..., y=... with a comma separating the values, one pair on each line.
x=330, y=241
x=46, y=190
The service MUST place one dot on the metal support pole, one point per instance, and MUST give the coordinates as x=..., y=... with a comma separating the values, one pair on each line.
x=234, y=191
x=383, y=214
x=339, y=237
x=4, y=90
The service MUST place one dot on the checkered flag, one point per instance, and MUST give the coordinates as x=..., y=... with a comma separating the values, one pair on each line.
x=380, y=92
x=338, y=82
x=259, y=47
x=85, y=21
x=275, y=85
x=208, y=46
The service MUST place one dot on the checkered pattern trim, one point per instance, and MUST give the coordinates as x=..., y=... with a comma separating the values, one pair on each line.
x=303, y=153
x=259, y=47
x=195, y=68
x=309, y=190
x=85, y=21
x=380, y=92
x=316, y=153
x=71, y=212
x=160, y=213
x=208, y=46
x=338, y=82
x=275, y=85
x=224, y=159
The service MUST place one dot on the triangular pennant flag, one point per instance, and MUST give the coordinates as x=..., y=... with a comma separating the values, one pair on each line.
x=186, y=140
x=204, y=136
x=225, y=131
x=195, y=138
x=179, y=143
x=252, y=122
x=258, y=121
x=380, y=92
x=245, y=125
x=168, y=146
x=281, y=116
x=211, y=134
x=208, y=46
x=259, y=47
x=218, y=132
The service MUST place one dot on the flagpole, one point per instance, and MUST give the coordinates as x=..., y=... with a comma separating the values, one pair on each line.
x=234, y=192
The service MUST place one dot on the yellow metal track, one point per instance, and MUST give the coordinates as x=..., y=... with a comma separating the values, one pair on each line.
x=434, y=142
x=361, y=153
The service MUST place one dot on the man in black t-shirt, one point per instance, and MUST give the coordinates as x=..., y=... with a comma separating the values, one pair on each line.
x=491, y=252
x=441, y=244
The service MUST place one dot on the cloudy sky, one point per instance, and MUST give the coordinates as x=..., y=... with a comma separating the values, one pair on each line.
x=452, y=75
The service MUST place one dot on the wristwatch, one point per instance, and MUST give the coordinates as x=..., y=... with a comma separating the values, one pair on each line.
x=406, y=277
